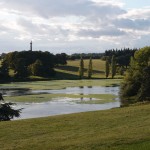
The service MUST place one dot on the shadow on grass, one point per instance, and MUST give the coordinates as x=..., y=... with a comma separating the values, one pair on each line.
x=68, y=68
x=75, y=69
x=63, y=75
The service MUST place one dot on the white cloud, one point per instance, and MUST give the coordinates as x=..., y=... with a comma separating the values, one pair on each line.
x=72, y=25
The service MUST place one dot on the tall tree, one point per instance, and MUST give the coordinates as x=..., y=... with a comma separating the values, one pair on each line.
x=121, y=70
x=36, y=68
x=113, y=66
x=137, y=80
x=107, y=70
x=81, y=68
x=90, y=68
x=4, y=71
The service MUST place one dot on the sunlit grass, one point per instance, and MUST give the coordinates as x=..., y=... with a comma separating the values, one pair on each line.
x=60, y=84
x=95, y=98
x=72, y=68
x=116, y=129
x=70, y=71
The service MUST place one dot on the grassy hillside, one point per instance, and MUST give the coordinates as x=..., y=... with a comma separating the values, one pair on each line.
x=116, y=129
x=70, y=71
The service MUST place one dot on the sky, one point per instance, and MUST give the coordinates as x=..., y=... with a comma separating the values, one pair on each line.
x=74, y=26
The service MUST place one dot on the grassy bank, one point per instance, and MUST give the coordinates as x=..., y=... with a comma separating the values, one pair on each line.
x=116, y=129
x=60, y=84
x=91, y=98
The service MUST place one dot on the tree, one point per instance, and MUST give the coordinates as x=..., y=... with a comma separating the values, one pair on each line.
x=137, y=80
x=36, y=68
x=4, y=73
x=107, y=67
x=144, y=91
x=81, y=68
x=6, y=111
x=20, y=62
x=113, y=66
x=61, y=59
x=20, y=68
x=90, y=68
x=121, y=70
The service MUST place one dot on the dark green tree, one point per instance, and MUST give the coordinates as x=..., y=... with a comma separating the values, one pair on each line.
x=136, y=85
x=107, y=70
x=81, y=68
x=90, y=68
x=6, y=111
x=20, y=68
x=4, y=71
x=20, y=62
x=113, y=66
x=121, y=70
x=36, y=68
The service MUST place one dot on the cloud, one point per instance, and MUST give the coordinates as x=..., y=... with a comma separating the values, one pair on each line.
x=101, y=32
x=140, y=13
x=51, y=8
x=72, y=24
x=137, y=24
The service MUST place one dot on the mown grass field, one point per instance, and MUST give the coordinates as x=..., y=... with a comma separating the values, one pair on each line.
x=116, y=129
x=70, y=71
x=95, y=98
x=60, y=84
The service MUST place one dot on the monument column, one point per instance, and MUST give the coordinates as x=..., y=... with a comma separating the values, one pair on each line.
x=31, y=46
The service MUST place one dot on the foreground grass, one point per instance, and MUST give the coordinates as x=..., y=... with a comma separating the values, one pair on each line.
x=116, y=129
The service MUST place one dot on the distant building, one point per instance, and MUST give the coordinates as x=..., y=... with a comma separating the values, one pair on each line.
x=31, y=46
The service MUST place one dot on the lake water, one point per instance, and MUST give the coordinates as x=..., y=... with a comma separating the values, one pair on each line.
x=63, y=105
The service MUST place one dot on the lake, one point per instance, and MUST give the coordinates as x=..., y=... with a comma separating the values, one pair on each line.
x=63, y=105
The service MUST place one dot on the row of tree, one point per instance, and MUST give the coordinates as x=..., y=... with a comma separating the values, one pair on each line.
x=85, y=56
x=26, y=63
x=81, y=68
x=122, y=56
x=112, y=65
x=108, y=65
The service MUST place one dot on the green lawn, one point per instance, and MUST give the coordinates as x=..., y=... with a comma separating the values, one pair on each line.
x=70, y=71
x=60, y=84
x=95, y=98
x=116, y=129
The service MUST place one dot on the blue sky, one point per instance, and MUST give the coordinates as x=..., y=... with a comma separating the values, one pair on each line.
x=136, y=3
x=74, y=26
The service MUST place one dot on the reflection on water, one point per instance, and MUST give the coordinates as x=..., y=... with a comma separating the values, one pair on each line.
x=17, y=92
x=35, y=110
x=63, y=105
x=85, y=90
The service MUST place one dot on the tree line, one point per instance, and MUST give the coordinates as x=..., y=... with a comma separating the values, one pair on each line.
x=122, y=56
x=28, y=63
x=108, y=68
x=85, y=56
